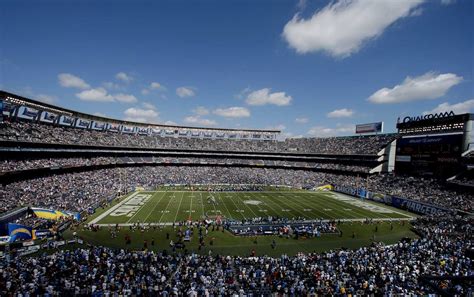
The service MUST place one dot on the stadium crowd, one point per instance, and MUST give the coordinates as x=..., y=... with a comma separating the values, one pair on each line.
x=8, y=165
x=424, y=189
x=35, y=132
x=376, y=270
x=82, y=190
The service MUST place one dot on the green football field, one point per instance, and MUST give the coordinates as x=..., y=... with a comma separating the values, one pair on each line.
x=166, y=207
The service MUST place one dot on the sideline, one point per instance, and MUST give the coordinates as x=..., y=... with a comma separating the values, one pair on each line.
x=305, y=222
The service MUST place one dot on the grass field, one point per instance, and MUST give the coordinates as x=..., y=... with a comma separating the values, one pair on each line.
x=162, y=208
x=166, y=207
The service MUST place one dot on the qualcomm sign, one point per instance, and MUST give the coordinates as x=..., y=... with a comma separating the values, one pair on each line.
x=429, y=116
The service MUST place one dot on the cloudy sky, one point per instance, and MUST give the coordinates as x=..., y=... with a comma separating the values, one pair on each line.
x=310, y=68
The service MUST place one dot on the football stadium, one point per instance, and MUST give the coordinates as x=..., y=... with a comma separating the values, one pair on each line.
x=376, y=199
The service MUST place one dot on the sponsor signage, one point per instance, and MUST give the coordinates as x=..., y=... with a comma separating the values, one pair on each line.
x=370, y=128
x=418, y=207
x=429, y=116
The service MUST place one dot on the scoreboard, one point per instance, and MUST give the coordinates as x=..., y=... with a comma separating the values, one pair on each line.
x=437, y=154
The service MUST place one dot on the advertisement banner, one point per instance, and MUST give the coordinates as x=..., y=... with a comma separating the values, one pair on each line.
x=369, y=128
x=65, y=120
x=27, y=113
x=48, y=117
x=50, y=214
x=17, y=231
x=418, y=207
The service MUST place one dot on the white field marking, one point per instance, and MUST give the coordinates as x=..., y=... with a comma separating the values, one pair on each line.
x=131, y=217
x=253, y=202
x=232, y=200
x=268, y=201
x=307, y=201
x=327, y=209
x=190, y=206
x=214, y=211
x=306, y=221
x=189, y=211
x=349, y=209
x=239, y=210
x=366, y=205
x=109, y=211
x=164, y=211
x=179, y=206
x=202, y=204
x=333, y=203
x=225, y=205
x=307, y=209
x=159, y=200
x=290, y=204
x=285, y=210
x=241, y=201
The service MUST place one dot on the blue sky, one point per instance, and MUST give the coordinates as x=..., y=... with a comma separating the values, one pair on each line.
x=311, y=68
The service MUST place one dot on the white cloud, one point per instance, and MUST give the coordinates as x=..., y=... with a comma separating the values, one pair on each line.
x=153, y=86
x=111, y=86
x=448, y=2
x=232, y=112
x=342, y=28
x=185, y=92
x=302, y=120
x=46, y=98
x=197, y=120
x=170, y=123
x=263, y=97
x=242, y=93
x=68, y=80
x=99, y=114
x=126, y=98
x=101, y=95
x=156, y=86
x=280, y=127
x=124, y=77
x=427, y=86
x=148, y=105
x=322, y=131
x=340, y=113
x=97, y=94
x=458, y=108
x=201, y=111
x=135, y=114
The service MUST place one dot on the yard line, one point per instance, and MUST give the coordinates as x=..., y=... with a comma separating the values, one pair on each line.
x=179, y=206
x=236, y=207
x=297, y=210
x=202, y=205
x=332, y=203
x=238, y=197
x=357, y=212
x=267, y=201
x=190, y=207
x=164, y=210
x=317, y=204
x=222, y=201
x=156, y=204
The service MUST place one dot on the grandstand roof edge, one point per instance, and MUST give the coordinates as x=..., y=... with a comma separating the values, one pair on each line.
x=4, y=94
